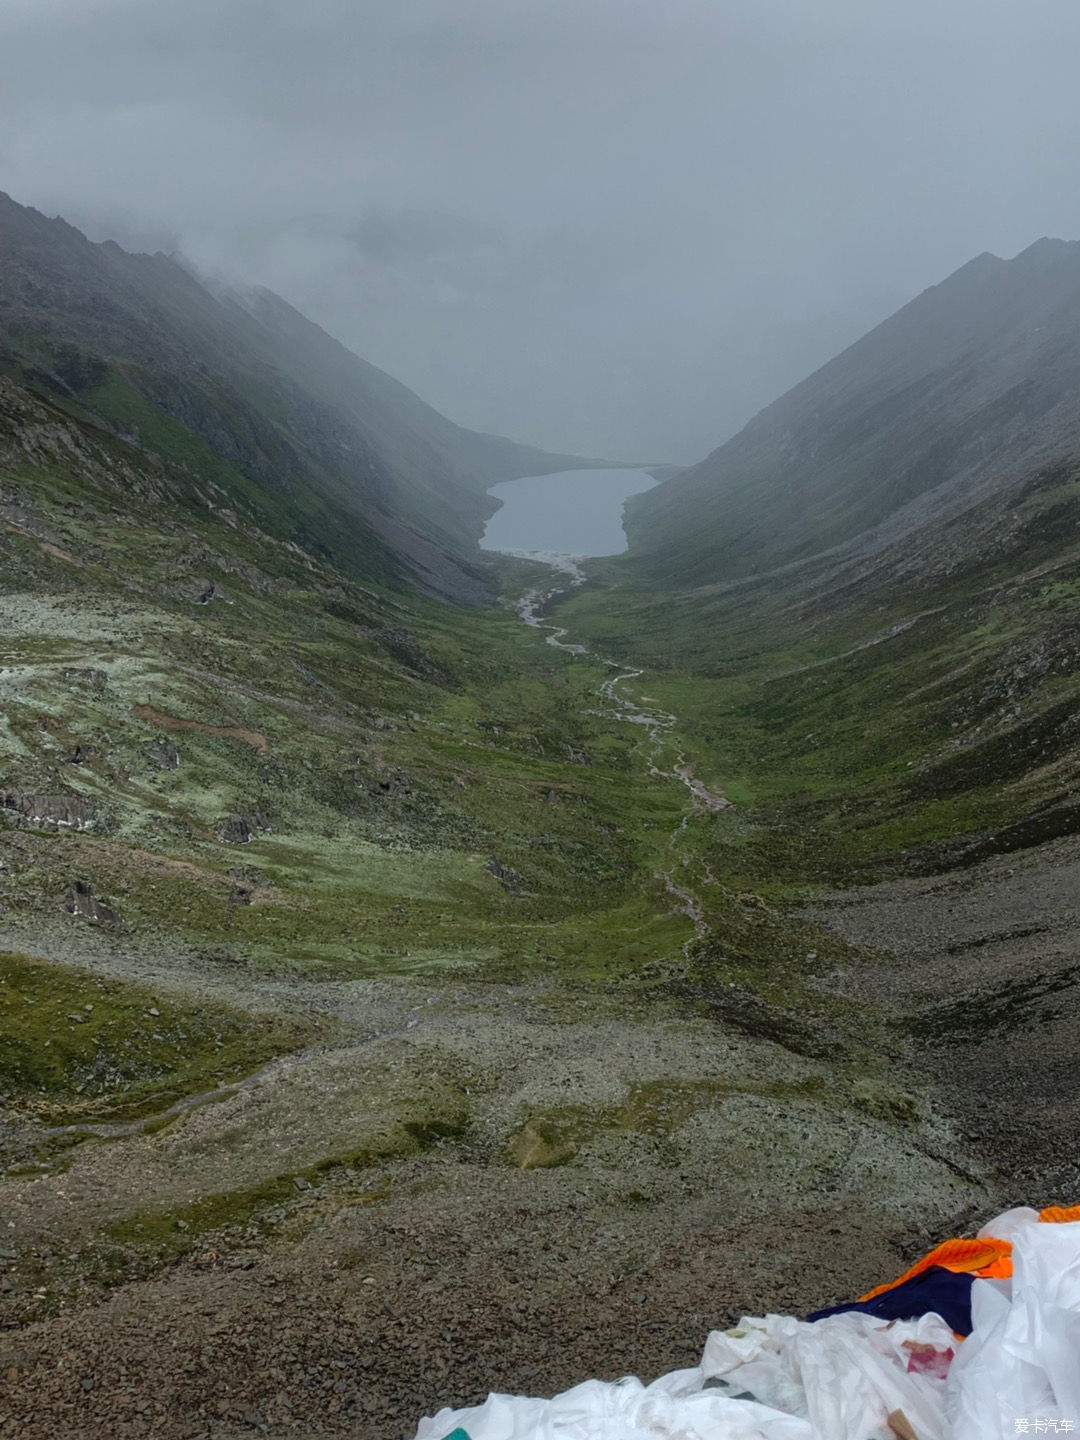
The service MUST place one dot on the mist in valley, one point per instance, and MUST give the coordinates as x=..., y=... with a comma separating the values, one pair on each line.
x=610, y=229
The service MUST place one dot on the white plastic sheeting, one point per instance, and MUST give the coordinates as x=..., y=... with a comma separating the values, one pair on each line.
x=842, y=1377
x=845, y=1374
x=1022, y=1359
x=668, y=1409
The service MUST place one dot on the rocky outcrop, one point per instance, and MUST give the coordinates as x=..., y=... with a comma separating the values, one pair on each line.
x=62, y=811
x=162, y=754
x=86, y=677
x=240, y=829
x=509, y=879
x=575, y=756
x=392, y=783
x=81, y=754
x=81, y=900
x=250, y=877
x=201, y=592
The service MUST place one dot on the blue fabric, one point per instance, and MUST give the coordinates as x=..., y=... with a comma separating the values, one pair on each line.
x=937, y=1289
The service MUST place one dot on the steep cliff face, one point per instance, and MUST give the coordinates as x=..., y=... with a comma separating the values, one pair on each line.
x=320, y=446
x=960, y=393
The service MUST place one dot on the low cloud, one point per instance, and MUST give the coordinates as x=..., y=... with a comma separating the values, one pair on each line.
x=609, y=225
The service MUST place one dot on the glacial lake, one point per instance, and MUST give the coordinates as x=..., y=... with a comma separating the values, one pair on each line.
x=574, y=512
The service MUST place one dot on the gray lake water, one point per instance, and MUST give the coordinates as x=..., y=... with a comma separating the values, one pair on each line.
x=575, y=512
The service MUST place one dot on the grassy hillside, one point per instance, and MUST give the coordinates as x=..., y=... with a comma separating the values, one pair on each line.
x=358, y=959
x=885, y=716
x=376, y=982
x=172, y=670
x=219, y=749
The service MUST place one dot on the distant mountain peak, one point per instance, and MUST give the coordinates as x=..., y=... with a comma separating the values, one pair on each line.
x=1050, y=249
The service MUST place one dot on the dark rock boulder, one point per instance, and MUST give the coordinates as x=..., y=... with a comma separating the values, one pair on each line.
x=392, y=783
x=509, y=879
x=241, y=829
x=62, y=811
x=80, y=900
x=575, y=756
x=162, y=754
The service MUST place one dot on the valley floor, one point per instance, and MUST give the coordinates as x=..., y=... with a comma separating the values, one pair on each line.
x=394, y=1010
x=453, y=1186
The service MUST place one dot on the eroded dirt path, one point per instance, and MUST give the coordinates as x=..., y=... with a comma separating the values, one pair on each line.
x=164, y=721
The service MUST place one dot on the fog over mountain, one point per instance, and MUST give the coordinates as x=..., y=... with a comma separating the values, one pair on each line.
x=611, y=228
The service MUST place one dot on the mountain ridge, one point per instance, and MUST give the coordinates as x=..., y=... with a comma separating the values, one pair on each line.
x=971, y=380
x=348, y=459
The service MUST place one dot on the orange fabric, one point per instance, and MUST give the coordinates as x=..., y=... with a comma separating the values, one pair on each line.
x=1060, y=1215
x=1000, y=1269
x=987, y=1258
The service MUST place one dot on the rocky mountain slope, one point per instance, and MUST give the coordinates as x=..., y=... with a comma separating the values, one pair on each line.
x=963, y=391
x=308, y=439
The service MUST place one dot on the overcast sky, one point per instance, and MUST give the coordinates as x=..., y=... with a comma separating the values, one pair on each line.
x=618, y=227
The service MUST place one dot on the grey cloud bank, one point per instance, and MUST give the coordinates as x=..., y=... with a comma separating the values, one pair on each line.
x=608, y=227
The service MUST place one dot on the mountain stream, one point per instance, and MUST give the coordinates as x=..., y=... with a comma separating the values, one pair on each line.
x=658, y=724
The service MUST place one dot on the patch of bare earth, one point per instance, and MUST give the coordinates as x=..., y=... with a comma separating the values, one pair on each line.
x=154, y=716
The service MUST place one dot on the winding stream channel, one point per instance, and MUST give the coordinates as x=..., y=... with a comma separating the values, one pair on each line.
x=658, y=724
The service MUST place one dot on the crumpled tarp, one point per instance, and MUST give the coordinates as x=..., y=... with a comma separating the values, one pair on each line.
x=852, y=1375
x=1022, y=1360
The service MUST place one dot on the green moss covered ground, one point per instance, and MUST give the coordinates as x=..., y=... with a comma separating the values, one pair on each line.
x=76, y=1047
